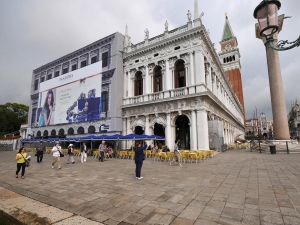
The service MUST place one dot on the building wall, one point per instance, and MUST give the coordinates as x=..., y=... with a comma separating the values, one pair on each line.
x=235, y=79
x=112, y=80
x=206, y=96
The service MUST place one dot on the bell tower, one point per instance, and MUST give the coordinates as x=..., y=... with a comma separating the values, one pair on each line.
x=230, y=60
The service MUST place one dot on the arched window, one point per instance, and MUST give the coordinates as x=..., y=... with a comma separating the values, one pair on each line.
x=233, y=57
x=38, y=134
x=227, y=59
x=138, y=84
x=157, y=79
x=53, y=133
x=80, y=130
x=230, y=58
x=70, y=131
x=91, y=130
x=179, y=75
x=45, y=134
x=224, y=60
x=61, y=132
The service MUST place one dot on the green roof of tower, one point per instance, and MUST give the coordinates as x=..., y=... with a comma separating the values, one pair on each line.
x=227, y=32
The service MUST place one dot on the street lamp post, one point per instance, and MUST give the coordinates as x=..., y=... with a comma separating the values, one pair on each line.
x=268, y=27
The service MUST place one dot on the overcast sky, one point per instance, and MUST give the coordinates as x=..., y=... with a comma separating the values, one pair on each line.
x=35, y=32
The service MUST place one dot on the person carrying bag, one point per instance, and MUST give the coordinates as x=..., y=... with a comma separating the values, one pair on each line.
x=22, y=162
x=56, y=153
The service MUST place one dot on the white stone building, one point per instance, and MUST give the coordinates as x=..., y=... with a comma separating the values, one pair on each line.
x=175, y=86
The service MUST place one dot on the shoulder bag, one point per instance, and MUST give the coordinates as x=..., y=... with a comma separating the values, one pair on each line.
x=27, y=164
x=60, y=154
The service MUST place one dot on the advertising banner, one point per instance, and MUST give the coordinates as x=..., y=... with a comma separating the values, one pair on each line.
x=71, y=97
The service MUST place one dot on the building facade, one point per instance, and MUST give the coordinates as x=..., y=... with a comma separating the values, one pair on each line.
x=259, y=126
x=176, y=87
x=75, y=95
x=294, y=120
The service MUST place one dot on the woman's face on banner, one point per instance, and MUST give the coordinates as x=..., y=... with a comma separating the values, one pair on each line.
x=49, y=99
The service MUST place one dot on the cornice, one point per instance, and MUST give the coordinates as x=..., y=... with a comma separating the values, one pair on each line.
x=97, y=44
x=162, y=43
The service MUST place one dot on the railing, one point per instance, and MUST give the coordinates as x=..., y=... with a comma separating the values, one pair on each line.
x=161, y=37
x=178, y=30
x=277, y=145
x=165, y=94
x=156, y=39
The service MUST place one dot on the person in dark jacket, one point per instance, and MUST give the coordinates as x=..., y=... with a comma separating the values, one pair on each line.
x=139, y=158
x=40, y=150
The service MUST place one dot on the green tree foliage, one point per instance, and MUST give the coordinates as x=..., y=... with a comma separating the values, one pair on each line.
x=12, y=115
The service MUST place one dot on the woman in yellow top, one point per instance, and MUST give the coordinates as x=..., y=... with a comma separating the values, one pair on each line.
x=20, y=158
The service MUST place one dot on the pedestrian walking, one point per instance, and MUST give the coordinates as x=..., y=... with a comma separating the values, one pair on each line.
x=139, y=158
x=20, y=158
x=70, y=154
x=177, y=154
x=56, y=150
x=102, y=149
x=83, y=151
x=40, y=150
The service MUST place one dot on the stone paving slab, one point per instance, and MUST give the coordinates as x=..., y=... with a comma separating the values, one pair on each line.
x=29, y=211
x=234, y=187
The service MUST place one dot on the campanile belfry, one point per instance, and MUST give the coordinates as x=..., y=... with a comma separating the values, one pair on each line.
x=230, y=59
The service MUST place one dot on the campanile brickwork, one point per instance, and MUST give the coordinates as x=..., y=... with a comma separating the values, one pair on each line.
x=230, y=59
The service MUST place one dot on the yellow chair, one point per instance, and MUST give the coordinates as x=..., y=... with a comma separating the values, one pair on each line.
x=163, y=156
x=130, y=154
x=185, y=156
x=96, y=154
x=148, y=153
x=171, y=156
x=193, y=156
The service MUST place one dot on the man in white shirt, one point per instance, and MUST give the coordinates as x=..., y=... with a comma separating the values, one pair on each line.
x=56, y=155
x=83, y=150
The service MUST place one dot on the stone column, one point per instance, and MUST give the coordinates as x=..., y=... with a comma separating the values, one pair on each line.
x=172, y=136
x=125, y=85
x=193, y=131
x=123, y=143
x=209, y=78
x=168, y=130
x=129, y=87
x=147, y=130
x=199, y=71
x=147, y=82
x=166, y=78
x=202, y=130
x=281, y=129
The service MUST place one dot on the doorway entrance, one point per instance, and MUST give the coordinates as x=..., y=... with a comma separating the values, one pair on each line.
x=138, y=130
x=183, y=132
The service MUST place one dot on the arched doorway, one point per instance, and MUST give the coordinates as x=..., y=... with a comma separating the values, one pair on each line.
x=91, y=130
x=70, y=131
x=159, y=130
x=80, y=130
x=61, y=133
x=183, y=132
x=53, y=133
x=138, y=130
x=38, y=134
x=45, y=134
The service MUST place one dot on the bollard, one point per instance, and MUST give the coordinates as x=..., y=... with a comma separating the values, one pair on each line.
x=287, y=148
x=259, y=147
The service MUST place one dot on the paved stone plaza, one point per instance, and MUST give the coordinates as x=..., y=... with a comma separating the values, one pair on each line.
x=234, y=187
